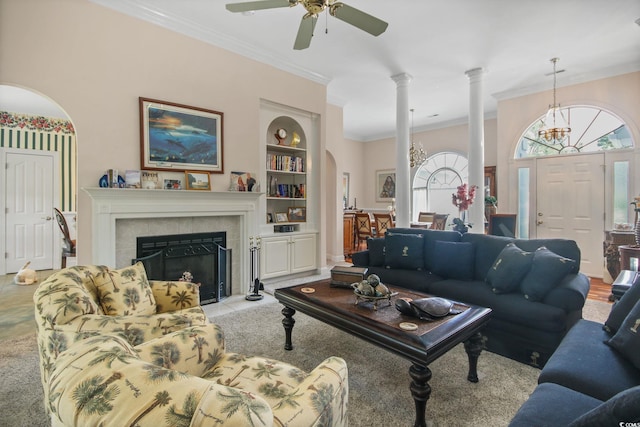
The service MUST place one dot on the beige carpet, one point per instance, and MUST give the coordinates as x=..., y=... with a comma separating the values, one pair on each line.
x=378, y=380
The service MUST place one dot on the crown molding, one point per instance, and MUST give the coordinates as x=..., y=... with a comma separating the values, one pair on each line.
x=209, y=35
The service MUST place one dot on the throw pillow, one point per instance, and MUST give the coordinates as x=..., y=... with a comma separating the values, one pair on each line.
x=627, y=340
x=547, y=270
x=454, y=260
x=509, y=268
x=376, y=251
x=125, y=292
x=623, y=406
x=404, y=251
x=621, y=309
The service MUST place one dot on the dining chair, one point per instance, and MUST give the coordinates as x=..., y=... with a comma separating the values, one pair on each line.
x=426, y=216
x=439, y=221
x=68, y=245
x=383, y=221
x=363, y=226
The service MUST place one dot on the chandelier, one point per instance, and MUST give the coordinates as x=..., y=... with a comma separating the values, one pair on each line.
x=555, y=129
x=417, y=155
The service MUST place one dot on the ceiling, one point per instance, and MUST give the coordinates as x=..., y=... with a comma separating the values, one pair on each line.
x=434, y=41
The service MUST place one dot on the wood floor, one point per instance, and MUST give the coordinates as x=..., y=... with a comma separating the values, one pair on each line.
x=599, y=290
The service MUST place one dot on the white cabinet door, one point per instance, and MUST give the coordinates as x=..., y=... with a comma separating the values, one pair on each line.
x=284, y=255
x=274, y=256
x=303, y=253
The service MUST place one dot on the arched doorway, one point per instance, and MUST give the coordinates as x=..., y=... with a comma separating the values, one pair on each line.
x=38, y=152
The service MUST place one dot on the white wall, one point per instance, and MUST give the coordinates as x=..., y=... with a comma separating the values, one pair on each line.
x=95, y=63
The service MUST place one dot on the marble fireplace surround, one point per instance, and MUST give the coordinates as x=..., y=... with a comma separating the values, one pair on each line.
x=119, y=216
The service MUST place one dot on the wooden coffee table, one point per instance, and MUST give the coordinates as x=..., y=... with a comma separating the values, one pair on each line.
x=337, y=307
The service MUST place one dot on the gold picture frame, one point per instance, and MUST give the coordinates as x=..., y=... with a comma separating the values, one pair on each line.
x=282, y=217
x=197, y=180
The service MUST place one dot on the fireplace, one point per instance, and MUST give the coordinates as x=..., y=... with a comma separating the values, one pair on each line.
x=120, y=215
x=201, y=258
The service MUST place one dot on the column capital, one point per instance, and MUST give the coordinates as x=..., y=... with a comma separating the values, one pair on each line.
x=402, y=78
x=474, y=72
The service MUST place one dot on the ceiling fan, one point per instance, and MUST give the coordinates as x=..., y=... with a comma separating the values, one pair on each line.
x=346, y=13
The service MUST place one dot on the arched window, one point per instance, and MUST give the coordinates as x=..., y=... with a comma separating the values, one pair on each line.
x=592, y=129
x=436, y=180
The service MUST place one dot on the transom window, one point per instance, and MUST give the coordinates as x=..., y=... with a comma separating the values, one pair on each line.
x=592, y=129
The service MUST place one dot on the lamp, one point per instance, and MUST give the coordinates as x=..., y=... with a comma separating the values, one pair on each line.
x=417, y=155
x=555, y=128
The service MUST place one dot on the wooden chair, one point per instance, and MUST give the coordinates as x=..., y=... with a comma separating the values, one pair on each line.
x=383, y=221
x=68, y=245
x=363, y=226
x=426, y=216
x=439, y=221
x=502, y=225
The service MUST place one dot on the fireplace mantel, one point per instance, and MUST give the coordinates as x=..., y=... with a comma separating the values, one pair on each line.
x=111, y=204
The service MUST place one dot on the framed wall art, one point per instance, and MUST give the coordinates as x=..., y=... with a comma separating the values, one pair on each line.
x=385, y=185
x=197, y=180
x=176, y=137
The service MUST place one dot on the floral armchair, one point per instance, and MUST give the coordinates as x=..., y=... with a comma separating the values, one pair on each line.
x=81, y=302
x=187, y=379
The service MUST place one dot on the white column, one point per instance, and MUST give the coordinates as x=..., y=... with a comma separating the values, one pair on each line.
x=403, y=173
x=476, y=148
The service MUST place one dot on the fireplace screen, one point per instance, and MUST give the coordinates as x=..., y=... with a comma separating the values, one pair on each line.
x=198, y=257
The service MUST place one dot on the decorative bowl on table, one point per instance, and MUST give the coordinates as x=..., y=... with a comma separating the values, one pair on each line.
x=372, y=290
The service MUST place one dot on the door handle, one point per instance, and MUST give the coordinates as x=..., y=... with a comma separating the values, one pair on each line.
x=48, y=218
x=539, y=221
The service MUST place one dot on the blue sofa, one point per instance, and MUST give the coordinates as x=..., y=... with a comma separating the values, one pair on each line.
x=533, y=305
x=593, y=378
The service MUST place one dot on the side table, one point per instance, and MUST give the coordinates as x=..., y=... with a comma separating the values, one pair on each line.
x=629, y=257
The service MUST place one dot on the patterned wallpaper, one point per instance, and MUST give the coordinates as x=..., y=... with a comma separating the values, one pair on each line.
x=23, y=131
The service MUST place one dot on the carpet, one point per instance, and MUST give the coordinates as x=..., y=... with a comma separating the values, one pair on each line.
x=378, y=380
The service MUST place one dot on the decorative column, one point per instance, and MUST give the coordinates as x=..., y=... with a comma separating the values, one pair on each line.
x=476, y=148
x=403, y=175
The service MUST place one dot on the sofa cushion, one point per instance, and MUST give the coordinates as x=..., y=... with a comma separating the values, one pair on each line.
x=627, y=340
x=125, y=291
x=563, y=247
x=376, y=251
x=553, y=405
x=622, y=308
x=455, y=260
x=404, y=251
x=624, y=406
x=509, y=268
x=487, y=250
x=584, y=363
x=547, y=270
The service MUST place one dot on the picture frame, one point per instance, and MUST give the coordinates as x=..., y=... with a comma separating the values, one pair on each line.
x=197, y=180
x=133, y=179
x=243, y=181
x=172, y=184
x=282, y=217
x=150, y=180
x=269, y=218
x=297, y=214
x=385, y=185
x=345, y=190
x=177, y=137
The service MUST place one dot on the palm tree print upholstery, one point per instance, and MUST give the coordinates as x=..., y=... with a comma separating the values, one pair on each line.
x=68, y=309
x=187, y=379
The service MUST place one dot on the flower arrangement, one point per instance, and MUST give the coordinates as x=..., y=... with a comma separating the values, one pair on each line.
x=464, y=197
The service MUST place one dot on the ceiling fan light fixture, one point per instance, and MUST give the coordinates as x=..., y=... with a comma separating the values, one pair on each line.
x=555, y=129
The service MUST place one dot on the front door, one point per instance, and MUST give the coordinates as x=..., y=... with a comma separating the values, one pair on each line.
x=29, y=195
x=570, y=205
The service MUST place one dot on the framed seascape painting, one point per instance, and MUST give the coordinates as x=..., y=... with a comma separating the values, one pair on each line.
x=175, y=137
x=385, y=185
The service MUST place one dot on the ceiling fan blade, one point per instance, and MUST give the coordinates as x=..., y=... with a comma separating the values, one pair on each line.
x=358, y=18
x=258, y=5
x=305, y=32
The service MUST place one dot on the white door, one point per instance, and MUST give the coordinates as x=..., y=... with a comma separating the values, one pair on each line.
x=570, y=203
x=29, y=193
